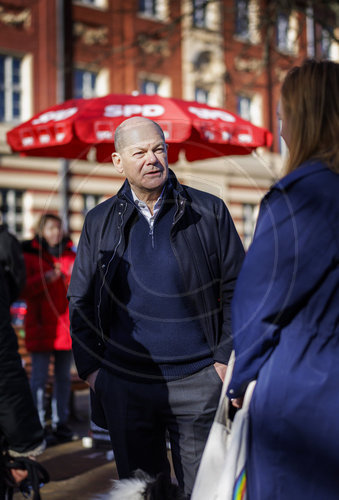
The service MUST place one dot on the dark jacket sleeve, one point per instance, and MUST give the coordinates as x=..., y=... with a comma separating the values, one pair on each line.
x=19, y=421
x=231, y=258
x=86, y=340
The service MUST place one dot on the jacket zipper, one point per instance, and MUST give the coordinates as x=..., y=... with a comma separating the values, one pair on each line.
x=122, y=210
x=177, y=217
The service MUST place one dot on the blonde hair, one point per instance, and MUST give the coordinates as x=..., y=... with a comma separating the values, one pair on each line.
x=310, y=101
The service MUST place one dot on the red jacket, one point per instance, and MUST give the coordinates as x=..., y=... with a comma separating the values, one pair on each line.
x=47, y=318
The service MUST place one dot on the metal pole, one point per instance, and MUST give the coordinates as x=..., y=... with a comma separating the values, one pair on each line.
x=64, y=164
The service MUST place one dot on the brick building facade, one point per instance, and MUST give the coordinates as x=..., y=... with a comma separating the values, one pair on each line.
x=232, y=54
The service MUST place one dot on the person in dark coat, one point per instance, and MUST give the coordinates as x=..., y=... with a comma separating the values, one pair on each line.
x=49, y=259
x=21, y=434
x=150, y=301
x=286, y=304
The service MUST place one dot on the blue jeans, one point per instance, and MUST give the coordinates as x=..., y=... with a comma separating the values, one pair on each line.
x=61, y=384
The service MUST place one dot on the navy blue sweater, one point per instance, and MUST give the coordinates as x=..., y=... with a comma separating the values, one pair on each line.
x=154, y=330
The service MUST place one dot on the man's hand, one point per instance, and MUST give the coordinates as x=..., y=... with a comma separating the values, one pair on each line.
x=221, y=370
x=91, y=379
x=20, y=474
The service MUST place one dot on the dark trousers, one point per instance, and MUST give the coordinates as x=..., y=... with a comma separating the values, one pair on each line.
x=138, y=415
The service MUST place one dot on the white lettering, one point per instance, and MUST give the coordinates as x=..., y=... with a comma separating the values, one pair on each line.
x=27, y=141
x=60, y=136
x=127, y=110
x=209, y=135
x=55, y=116
x=211, y=114
x=101, y=135
x=245, y=138
x=113, y=110
x=44, y=138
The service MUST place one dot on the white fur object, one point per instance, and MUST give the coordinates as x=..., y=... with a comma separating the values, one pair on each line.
x=129, y=489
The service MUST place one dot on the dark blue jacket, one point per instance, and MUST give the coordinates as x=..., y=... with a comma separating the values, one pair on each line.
x=285, y=316
x=208, y=250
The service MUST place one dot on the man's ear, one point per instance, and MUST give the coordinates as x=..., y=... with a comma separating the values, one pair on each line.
x=116, y=160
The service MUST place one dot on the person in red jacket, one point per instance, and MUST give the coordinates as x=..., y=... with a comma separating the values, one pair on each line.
x=49, y=259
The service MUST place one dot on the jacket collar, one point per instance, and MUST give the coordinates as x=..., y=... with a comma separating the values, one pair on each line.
x=306, y=169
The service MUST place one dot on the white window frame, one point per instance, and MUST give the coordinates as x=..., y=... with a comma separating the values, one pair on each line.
x=12, y=201
x=242, y=34
x=203, y=92
x=101, y=4
x=201, y=6
x=101, y=86
x=164, y=83
x=9, y=88
x=160, y=12
x=255, y=105
x=287, y=41
x=252, y=34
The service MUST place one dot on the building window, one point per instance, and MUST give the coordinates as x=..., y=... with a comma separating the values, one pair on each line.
x=10, y=88
x=201, y=95
x=85, y=84
x=242, y=18
x=153, y=83
x=149, y=87
x=94, y=3
x=12, y=210
x=250, y=213
x=282, y=31
x=199, y=13
x=90, y=201
x=148, y=7
x=287, y=31
x=244, y=107
x=325, y=44
x=158, y=9
x=250, y=108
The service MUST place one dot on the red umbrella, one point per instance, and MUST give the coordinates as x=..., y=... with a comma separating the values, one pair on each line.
x=70, y=129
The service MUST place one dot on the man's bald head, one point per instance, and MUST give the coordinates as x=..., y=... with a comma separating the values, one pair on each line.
x=121, y=132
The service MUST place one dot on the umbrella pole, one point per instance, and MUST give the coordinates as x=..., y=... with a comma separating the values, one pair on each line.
x=64, y=193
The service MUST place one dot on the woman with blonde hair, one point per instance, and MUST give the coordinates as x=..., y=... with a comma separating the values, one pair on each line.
x=49, y=259
x=286, y=304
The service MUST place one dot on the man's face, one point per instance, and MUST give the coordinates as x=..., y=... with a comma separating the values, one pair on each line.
x=143, y=158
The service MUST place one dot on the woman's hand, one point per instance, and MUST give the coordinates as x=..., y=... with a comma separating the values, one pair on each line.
x=53, y=274
x=237, y=402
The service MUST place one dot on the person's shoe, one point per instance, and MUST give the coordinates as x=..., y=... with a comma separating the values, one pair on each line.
x=64, y=434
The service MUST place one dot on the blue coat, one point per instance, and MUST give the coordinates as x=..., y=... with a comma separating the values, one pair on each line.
x=286, y=334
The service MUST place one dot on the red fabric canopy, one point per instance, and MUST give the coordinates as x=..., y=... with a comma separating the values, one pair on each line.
x=70, y=129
